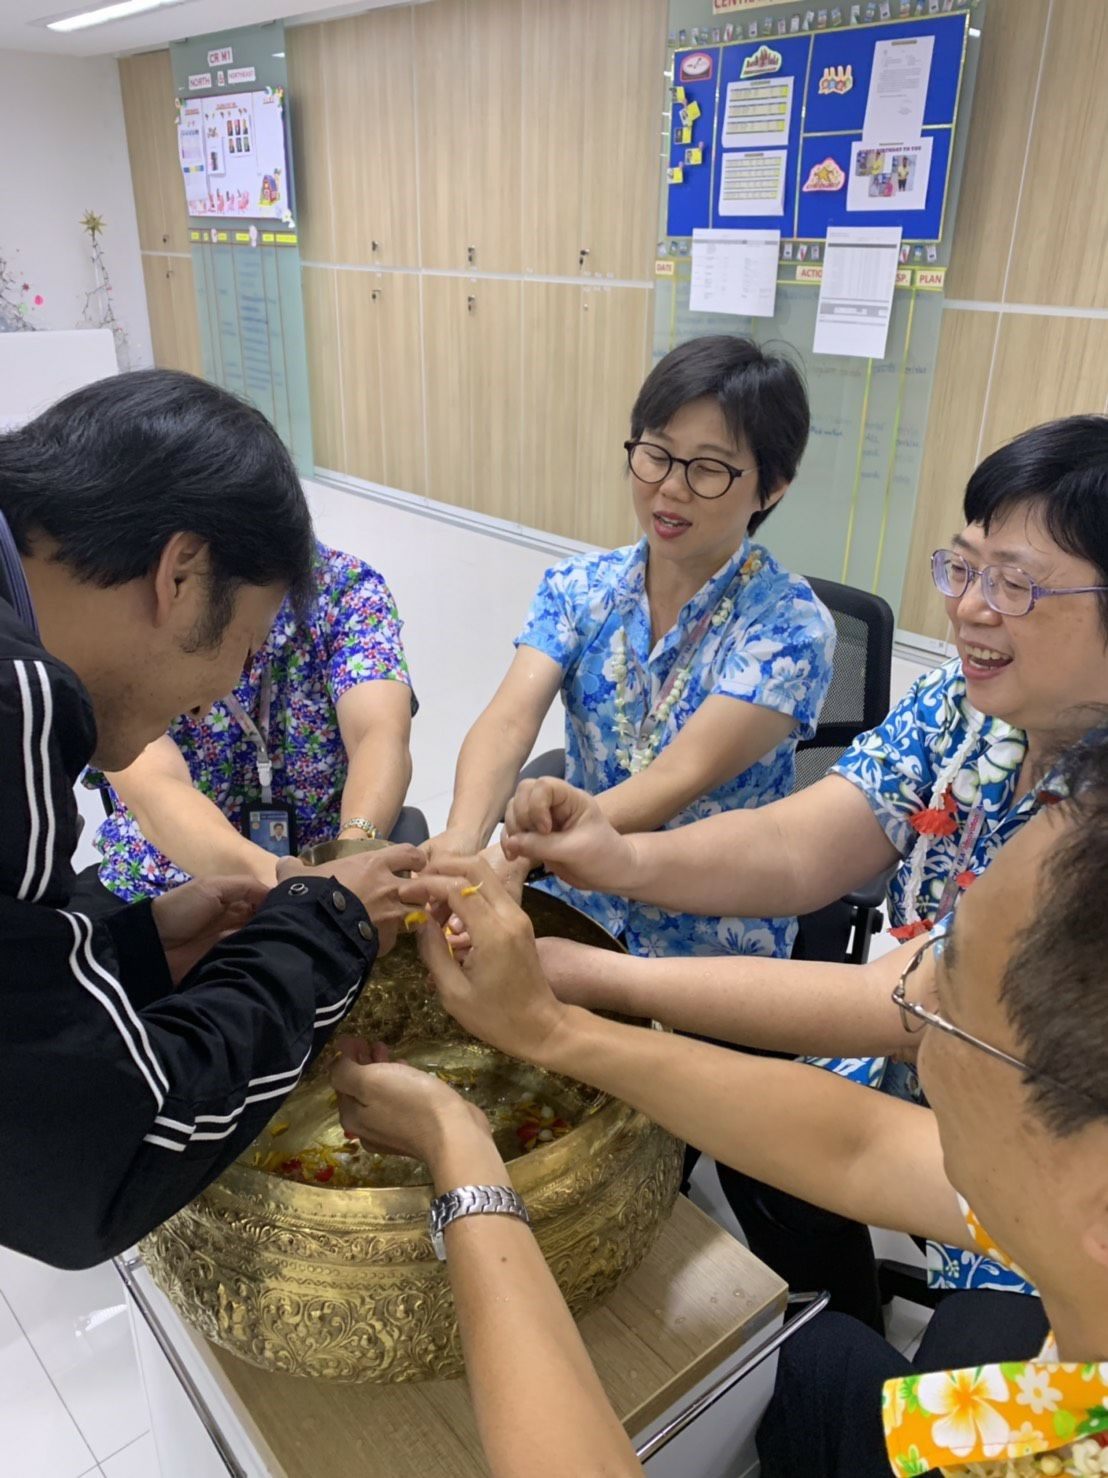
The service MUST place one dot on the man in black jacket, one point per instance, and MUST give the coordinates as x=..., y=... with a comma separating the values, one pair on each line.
x=150, y=526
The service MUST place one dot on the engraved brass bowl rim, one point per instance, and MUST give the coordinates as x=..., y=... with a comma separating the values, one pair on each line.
x=530, y=1172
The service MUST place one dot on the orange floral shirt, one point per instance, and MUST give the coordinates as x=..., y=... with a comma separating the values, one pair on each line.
x=1013, y=1420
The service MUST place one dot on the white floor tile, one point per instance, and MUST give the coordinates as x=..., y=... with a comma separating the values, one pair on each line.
x=78, y=1326
x=139, y=1460
x=38, y=1437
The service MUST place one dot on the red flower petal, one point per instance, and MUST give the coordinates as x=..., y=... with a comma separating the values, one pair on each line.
x=326, y=1173
x=911, y=931
x=966, y=878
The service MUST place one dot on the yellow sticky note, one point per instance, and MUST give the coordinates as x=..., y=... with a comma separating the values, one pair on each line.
x=694, y=156
x=679, y=95
x=676, y=175
x=684, y=135
x=692, y=112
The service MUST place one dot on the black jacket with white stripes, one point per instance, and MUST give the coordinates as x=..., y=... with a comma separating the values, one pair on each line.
x=121, y=1098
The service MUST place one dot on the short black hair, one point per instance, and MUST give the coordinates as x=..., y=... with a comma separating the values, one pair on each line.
x=1055, y=986
x=113, y=471
x=762, y=397
x=1060, y=468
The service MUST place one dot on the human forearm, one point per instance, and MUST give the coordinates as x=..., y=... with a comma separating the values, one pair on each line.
x=796, y=1127
x=511, y=1314
x=380, y=770
x=193, y=833
x=808, y=1007
x=488, y=766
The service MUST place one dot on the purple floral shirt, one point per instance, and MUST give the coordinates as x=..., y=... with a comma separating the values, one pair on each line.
x=351, y=636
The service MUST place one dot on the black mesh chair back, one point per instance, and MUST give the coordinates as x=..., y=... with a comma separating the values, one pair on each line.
x=858, y=698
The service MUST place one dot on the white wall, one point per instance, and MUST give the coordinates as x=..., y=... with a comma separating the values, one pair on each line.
x=65, y=152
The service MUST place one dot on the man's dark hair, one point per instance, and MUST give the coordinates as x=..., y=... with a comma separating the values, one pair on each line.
x=762, y=397
x=112, y=472
x=1060, y=469
x=1055, y=987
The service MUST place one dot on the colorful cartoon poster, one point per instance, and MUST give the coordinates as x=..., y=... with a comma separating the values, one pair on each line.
x=245, y=168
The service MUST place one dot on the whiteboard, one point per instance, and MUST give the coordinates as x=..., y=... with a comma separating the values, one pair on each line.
x=38, y=368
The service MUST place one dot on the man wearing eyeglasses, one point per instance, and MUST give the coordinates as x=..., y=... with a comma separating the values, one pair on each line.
x=1009, y=1012
x=953, y=773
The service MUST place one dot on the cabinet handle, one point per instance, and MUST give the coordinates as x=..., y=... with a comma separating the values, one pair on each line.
x=375, y=294
x=471, y=304
x=375, y=246
x=471, y=255
x=164, y=240
x=581, y=258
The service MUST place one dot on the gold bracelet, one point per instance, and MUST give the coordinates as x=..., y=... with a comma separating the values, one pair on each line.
x=363, y=825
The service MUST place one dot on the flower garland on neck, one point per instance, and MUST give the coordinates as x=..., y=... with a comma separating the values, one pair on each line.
x=635, y=753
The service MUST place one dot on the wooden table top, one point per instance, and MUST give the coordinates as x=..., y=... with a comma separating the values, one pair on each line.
x=696, y=1299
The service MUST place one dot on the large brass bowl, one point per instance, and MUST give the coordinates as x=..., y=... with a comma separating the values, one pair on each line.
x=343, y=1284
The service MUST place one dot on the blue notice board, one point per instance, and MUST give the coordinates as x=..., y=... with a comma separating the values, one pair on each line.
x=817, y=84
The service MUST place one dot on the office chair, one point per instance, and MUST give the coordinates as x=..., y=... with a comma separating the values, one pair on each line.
x=857, y=700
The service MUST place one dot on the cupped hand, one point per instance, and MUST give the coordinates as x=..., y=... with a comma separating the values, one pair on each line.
x=552, y=822
x=374, y=878
x=498, y=992
x=193, y=918
x=395, y=1108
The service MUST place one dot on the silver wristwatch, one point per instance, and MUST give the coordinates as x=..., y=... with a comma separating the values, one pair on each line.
x=471, y=1200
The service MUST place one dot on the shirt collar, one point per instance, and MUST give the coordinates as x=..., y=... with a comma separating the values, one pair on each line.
x=633, y=592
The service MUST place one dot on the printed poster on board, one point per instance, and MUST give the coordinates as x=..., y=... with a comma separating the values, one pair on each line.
x=243, y=170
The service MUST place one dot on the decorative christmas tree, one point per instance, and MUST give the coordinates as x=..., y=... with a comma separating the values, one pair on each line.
x=17, y=302
x=99, y=302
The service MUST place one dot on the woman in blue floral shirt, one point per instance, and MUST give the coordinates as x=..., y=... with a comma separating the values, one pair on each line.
x=330, y=695
x=690, y=663
x=938, y=788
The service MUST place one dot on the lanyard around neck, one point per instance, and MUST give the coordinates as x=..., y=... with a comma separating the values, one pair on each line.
x=12, y=568
x=258, y=733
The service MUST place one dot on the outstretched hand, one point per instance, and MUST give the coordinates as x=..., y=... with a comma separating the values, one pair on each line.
x=498, y=992
x=552, y=822
x=192, y=919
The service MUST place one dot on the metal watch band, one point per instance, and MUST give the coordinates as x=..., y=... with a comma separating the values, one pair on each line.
x=471, y=1200
x=363, y=825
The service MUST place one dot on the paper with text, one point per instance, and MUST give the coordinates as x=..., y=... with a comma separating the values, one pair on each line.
x=734, y=271
x=898, y=89
x=752, y=183
x=758, y=113
x=856, y=292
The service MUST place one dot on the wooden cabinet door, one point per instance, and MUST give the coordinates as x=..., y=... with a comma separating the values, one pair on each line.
x=443, y=131
x=619, y=144
x=400, y=378
x=321, y=334
x=359, y=373
x=494, y=35
x=446, y=370
x=495, y=363
x=555, y=41
x=372, y=133
x=308, y=56
x=615, y=326
x=146, y=83
x=171, y=304
x=552, y=314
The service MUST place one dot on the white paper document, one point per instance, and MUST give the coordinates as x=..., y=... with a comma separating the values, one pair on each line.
x=752, y=183
x=734, y=272
x=758, y=113
x=893, y=177
x=898, y=89
x=856, y=292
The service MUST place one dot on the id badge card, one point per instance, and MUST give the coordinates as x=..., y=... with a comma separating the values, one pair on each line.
x=271, y=825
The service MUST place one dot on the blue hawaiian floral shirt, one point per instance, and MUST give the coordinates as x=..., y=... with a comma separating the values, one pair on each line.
x=774, y=649
x=900, y=767
x=351, y=636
